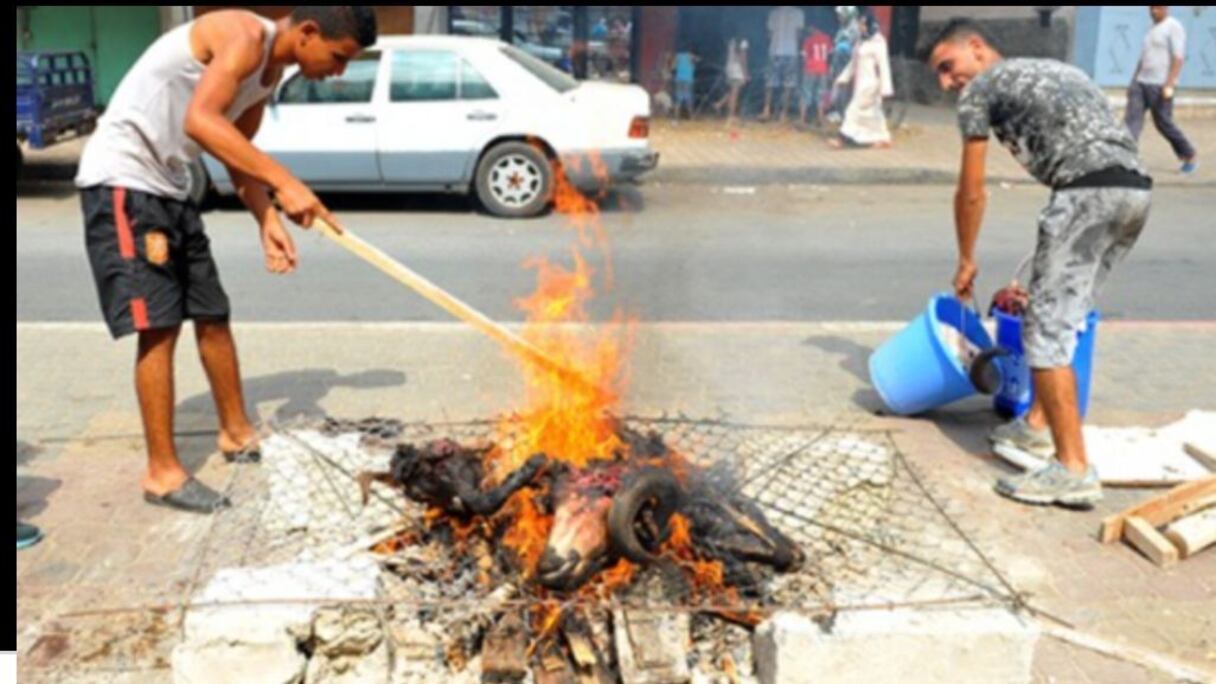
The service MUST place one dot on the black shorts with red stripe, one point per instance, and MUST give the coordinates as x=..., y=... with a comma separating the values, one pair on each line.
x=151, y=260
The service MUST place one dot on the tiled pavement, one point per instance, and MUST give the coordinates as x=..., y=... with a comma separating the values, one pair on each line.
x=79, y=458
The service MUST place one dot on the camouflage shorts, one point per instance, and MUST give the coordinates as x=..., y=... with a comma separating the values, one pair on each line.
x=1083, y=233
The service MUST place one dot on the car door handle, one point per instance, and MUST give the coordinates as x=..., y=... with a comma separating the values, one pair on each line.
x=482, y=116
x=360, y=118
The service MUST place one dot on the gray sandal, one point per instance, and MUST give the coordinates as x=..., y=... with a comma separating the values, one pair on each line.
x=250, y=453
x=193, y=496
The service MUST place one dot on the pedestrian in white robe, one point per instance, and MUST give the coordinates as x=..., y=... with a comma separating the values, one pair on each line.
x=870, y=71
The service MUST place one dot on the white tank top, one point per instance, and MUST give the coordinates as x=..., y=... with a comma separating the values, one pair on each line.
x=140, y=141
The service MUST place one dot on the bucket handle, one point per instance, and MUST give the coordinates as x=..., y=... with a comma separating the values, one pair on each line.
x=962, y=319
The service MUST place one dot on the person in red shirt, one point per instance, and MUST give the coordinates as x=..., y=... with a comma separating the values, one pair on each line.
x=816, y=50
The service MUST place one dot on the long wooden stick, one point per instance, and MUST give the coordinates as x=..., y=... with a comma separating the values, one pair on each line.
x=447, y=301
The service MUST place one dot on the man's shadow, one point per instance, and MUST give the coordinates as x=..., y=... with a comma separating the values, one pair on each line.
x=304, y=390
x=32, y=491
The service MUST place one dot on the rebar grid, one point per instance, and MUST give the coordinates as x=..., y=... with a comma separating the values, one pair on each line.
x=297, y=534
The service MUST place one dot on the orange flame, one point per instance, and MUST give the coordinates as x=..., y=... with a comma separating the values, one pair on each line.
x=564, y=420
x=528, y=529
x=559, y=418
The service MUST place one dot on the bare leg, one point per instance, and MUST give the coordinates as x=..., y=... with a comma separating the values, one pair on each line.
x=1056, y=389
x=734, y=100
x=785, y=104
x=1037, y=417
x=768, y=105
x=218, y=353
x=154, y=387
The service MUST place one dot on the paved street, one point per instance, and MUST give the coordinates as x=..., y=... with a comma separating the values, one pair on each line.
x=681, y=253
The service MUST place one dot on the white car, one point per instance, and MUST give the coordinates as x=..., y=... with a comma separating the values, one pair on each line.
x=454, y=114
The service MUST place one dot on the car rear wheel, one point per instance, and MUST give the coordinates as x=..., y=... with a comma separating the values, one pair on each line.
x=514, y=180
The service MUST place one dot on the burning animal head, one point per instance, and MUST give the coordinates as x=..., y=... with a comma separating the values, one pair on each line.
x=603, y=513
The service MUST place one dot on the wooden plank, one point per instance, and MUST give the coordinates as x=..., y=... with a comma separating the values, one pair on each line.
x=587, y=661
x=1163, y=509
x=1206, y=458
x=503, y=656
x=581, y=650
x=651, y=646
x=1149, y=541
x=551, y=666
x=1193, y=533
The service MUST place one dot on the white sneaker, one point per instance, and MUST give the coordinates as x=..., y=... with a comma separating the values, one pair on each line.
x=1053, y=484
x=1022, y=445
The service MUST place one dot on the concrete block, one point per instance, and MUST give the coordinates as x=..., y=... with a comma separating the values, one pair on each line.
x=249, y=621
x=651, y=647
x=903, y=645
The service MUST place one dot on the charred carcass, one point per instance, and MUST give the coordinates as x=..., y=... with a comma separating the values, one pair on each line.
x=610, y=511
x=601, y=513
x=451, y=477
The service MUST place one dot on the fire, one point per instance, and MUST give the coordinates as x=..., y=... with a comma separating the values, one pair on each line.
x=609, y=580
x=528, y=529
x=707, y=577
x=565, y=420
x=575, y=422
x=561, y=418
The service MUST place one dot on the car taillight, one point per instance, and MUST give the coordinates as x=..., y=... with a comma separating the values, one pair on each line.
x=639, y=127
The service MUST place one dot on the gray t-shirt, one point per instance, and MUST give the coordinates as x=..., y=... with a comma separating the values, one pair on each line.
x=1055, y=121
x=785, y=23
x=1164, y=40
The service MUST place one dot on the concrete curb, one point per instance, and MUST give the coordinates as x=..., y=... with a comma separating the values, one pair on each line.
x=716, y=175
x=44, y=175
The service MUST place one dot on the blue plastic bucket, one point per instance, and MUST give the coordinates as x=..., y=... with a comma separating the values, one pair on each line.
x=1017, y=391
x=916, y=371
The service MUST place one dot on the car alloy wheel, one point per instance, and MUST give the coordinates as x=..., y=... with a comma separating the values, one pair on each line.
x=516, y=181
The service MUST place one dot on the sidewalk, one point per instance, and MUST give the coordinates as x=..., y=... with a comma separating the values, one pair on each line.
x=80, y=453
x=926, y=150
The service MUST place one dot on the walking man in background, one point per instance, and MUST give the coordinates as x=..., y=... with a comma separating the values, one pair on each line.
x=1153, y=84
x=1059, y=126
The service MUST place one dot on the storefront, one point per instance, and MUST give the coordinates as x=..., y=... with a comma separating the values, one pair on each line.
x=633, y=44
x=596, y=42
